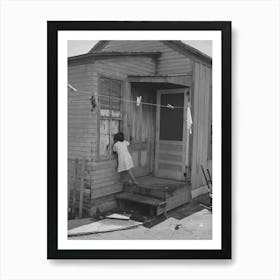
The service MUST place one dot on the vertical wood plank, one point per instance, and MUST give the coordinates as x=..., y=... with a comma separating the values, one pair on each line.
x=69, y=189
x=195, y=122
x=157, y=132
x=126, y=95
x=206, y=118
x=140, y=121
x=185, y=140
x=141, y=135
x=187, y=160
x=190, y=153
x=209, y=146
x=201, y=124
x=74, y=186
x=200, y=121
x=97, y=133
x=202, y=81
x=82, y=188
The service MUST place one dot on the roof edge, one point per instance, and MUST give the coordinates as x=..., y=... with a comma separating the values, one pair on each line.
x=179, y=45
x=98, y=46
x=110, y=54
x=185, y=48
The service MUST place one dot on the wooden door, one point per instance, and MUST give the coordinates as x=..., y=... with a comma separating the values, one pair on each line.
x=140, y=156
x=142, y=130
x=170, y=157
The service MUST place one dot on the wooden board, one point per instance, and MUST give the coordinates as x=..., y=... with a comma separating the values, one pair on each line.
x=106, y=225
x=140, y=199
x=201, y=116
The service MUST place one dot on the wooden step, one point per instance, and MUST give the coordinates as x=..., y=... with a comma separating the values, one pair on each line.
x=140, y=199
x=156, y=206
x=160, y=192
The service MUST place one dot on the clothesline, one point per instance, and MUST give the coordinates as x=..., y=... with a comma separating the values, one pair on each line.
x=170, y=106
x=94, y=101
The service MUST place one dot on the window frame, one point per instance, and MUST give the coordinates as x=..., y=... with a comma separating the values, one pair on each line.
x=99, y=117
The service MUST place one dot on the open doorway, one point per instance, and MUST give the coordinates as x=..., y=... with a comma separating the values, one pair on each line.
x=159, y=146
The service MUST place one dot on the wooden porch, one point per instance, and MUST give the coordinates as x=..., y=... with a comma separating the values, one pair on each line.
x=154, y=196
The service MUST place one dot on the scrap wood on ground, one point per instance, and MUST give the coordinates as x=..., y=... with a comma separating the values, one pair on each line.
x=197, y=226
x=130, y=226
x=105, y=225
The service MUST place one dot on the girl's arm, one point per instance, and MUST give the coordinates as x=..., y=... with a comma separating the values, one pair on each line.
x=114, y=148
x=130, y=141
x=114, y=151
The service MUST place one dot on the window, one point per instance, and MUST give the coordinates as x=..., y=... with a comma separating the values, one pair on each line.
x=169, y=131
x=110, y=113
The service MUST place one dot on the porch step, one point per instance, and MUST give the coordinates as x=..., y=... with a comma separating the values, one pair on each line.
x=160, y=191
x=155, y=206
x=140, y=199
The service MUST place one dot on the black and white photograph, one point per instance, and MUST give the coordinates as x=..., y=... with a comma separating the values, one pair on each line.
x=139, y=143
x=140, y=140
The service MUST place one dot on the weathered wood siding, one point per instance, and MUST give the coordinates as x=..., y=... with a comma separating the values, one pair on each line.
x=83, y=124
x=123, y=66
x=170, y=62
x=202, y=83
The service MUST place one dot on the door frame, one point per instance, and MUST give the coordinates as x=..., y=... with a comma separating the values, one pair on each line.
x=186, y=92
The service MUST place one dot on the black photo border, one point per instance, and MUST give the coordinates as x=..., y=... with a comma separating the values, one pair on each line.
x=52, y=139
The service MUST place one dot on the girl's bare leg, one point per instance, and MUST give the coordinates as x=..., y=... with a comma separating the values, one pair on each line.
x=131, y=176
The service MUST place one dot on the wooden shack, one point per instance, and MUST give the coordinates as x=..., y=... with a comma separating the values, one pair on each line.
x=168, y=148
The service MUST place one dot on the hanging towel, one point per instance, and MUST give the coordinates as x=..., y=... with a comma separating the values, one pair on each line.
x=189, y=119
x=138, y=100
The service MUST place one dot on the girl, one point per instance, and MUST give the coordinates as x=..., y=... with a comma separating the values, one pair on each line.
x=125, y=162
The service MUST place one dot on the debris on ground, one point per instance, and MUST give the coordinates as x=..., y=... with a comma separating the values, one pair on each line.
x=102, y=226
x=118, y=216
x=190, y=221
x=209, y=207
x=177, y=227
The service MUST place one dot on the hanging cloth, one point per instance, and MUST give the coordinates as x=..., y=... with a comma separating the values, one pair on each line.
x=189, y=119
x=138, y=100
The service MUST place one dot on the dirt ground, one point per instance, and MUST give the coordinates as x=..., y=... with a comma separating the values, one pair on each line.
x=192, y=221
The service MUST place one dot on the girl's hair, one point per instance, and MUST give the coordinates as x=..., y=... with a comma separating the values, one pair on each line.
x=119, y=137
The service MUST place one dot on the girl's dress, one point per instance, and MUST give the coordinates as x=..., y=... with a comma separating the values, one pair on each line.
x=124, y=158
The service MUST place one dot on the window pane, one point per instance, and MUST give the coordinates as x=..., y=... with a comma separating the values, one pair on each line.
x=105, y=86
x=104, y=126
x=104, y=137
x=169, y=131
x=115, y=104
x=116, y=92
x=114, y=128
x=116, y=88
x=116, y=114
x=105, y=112
x=105, y=102
x=104, y=145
